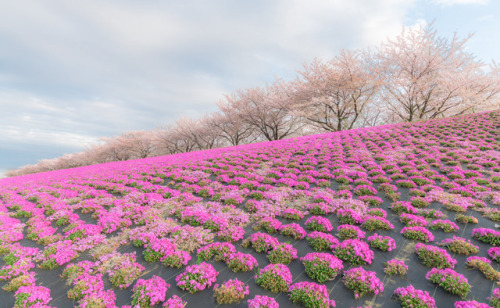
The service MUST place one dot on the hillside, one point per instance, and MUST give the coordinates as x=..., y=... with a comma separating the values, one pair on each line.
x=427, y=192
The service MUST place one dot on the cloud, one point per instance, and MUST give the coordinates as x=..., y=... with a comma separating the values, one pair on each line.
x=72, y=72
x=446, y=3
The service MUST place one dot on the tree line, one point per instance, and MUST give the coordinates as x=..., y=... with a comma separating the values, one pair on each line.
x=415, y=76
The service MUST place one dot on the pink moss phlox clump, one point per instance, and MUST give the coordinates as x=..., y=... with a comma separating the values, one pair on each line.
x=470, y=304
x=32, y=296
x=282, y=253
x=411, y=220
x=444, y=224
x=56, y=254
x=362, y=282
x=365, y=190
x=174, y=302
x=149, y=292
x=269, y=224
x=399, y=207
x=293, y=230
x=157, y=248
x=395, y=267
x=89, y=290
x=417, y=233
x=411, y=297
x=232, y=291
x=495, y=298
x=311, y=294
x=321, y=241
x=275, y=278
x=494, y=253
x=293, y=214
x=318, y=223
x=384, y=243
x=433, y=256
x=450, y=281
x=219, y=251
x=262, y=301
x=354, y=251
x=122, y=269
x=321, y=266
x=372, y=223
x=241, y=262
x=486, y=235
x=231, y=234
x=459, y=245
x=261, y=242
x=197, y=277
x=349, y=232
x=349, y=216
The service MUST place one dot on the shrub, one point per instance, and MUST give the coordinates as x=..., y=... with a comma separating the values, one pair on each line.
x=433, y=256
x=292, y=214
x=232, y=291
x=261, y=242
x=282, y=253
x=443, y=224
x=372, y=223
x=384, y=243
x=310, y=294
x=460, y=245
x=418, y=234
x=494, y=253
x=320, y=241
x=349, y=232
x=461, y=218
x=395, y=267
x=274, y=277
x=410, y=297
x=321, y=266
x=318, y=223
x=484, y=265
x=241, y=262
x=354, y=251
x=362, y=282
x=450, y=281
x=27, y=296
x=218, y=251
x=197, y=277
x=486, y=235
x=293, y=230
x=149, y=292
x=261, y=301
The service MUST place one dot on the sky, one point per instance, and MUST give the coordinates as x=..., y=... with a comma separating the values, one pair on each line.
x=72, y=72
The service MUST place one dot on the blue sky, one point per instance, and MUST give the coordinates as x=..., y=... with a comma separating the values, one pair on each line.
x=72, y=72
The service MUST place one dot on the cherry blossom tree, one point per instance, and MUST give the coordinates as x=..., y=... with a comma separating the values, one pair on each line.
x=426, y=76
x=335, y=95
x=268, y=110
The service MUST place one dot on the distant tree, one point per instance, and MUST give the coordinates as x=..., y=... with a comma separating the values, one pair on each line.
x=427, y=76
x=335, y=95
x=268, y=110
x=231, y=127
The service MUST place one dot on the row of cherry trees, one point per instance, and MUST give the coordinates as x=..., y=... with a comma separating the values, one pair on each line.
x=414, y=77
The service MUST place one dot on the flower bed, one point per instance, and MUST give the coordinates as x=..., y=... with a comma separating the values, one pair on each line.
x=321, y=266
x=433, y=256
x=384, y=243
x=197, y=277
x=410, y=297
x=354, y=251
x=310, y=294
x=275, y=278
x=362, y=282
x=450, y=281
x=232, y=291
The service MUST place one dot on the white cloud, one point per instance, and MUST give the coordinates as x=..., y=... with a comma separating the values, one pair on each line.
x=459, y=2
